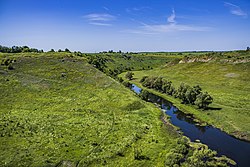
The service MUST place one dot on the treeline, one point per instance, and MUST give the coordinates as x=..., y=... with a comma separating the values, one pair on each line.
x=18, y=49
x=188, y=94
x=23, y=49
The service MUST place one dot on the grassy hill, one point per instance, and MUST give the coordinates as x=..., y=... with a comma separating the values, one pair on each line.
x=225, y=76
x=56, y=109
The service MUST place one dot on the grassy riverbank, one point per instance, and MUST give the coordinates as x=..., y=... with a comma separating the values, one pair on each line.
x=227, y=80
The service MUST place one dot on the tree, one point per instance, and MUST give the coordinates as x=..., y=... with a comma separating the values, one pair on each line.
x=67, y=50
x=192, y=93
x=144, y=95
x=203, y=100
x=143, y=79
x=166, y=87
x=129, y=75
x=52, y=50
x=157, y=84
x=181, y=92
x=248, y=48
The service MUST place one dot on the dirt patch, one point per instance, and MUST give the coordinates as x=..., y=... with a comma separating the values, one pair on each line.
x=231, y=75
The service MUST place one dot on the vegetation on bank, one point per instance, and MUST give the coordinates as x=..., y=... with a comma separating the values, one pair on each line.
x=56, y=109
x=187, y=94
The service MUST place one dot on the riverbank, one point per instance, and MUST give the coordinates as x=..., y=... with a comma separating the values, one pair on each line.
x=230, y=110
x=203, y=117
x=215, y=139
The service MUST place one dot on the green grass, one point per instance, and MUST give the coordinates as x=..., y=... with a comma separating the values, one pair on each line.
x=120, y=62
x=56, y=109
x=228, y=83
x=83, y=116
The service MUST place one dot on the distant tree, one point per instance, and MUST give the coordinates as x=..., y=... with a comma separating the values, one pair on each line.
x=248, y=48
x=59, y=50
x=67, y=50
x=129, y=75
x=52, y=50
x=203, y=100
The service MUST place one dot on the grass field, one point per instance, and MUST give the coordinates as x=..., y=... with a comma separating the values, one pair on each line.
x=226, y=78
x=57, y=110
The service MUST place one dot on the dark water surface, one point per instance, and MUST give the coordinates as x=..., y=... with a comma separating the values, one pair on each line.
x=217, y=140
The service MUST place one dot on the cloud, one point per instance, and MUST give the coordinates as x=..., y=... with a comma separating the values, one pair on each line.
x=173, y=28
x=100, y=24
x=100, y=19
x=105, y=8
x=171, y=18
x=170, y=26
x=137, y=9
x=235, y=10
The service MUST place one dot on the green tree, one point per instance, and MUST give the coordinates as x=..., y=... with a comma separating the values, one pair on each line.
x=52, y=50
x=143, y=79
x=181, y=92
x=144, y=95
x=192, y=93
x=203, y=100
x=67, y=50
x=129, y=75
x=166, y=87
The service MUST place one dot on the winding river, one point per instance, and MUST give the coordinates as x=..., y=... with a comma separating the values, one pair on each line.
x=217, y=140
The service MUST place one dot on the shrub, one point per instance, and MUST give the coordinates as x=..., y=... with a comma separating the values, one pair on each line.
x=129, y=75
x=144, y=95
x=203, y=100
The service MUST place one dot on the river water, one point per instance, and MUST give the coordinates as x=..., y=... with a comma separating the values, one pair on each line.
x=217, y=140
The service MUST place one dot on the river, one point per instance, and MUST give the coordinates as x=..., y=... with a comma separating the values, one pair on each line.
x=216, y=139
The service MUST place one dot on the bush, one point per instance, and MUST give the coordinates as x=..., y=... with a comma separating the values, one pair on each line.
x=129, y=75
x=203, y=100
x=127, y=84
x=143, y=79
x=10, y=67
x=144, y=95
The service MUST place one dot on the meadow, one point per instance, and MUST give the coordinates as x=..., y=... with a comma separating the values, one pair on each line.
x=58, y=110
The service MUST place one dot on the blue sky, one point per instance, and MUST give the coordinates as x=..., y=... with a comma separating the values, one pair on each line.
x=127, y=25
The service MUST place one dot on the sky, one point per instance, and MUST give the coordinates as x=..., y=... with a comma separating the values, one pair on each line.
x=127, y=25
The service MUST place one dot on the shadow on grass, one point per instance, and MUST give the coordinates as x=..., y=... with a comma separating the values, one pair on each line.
x=213, y=108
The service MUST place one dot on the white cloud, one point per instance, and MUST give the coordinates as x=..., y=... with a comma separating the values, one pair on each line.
x=135, y=10
x=171, y=18
x=105, y=8
x=100, y=19
x=235, y=10
x=164, y=28
x=100, y=24
x=170, y=26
